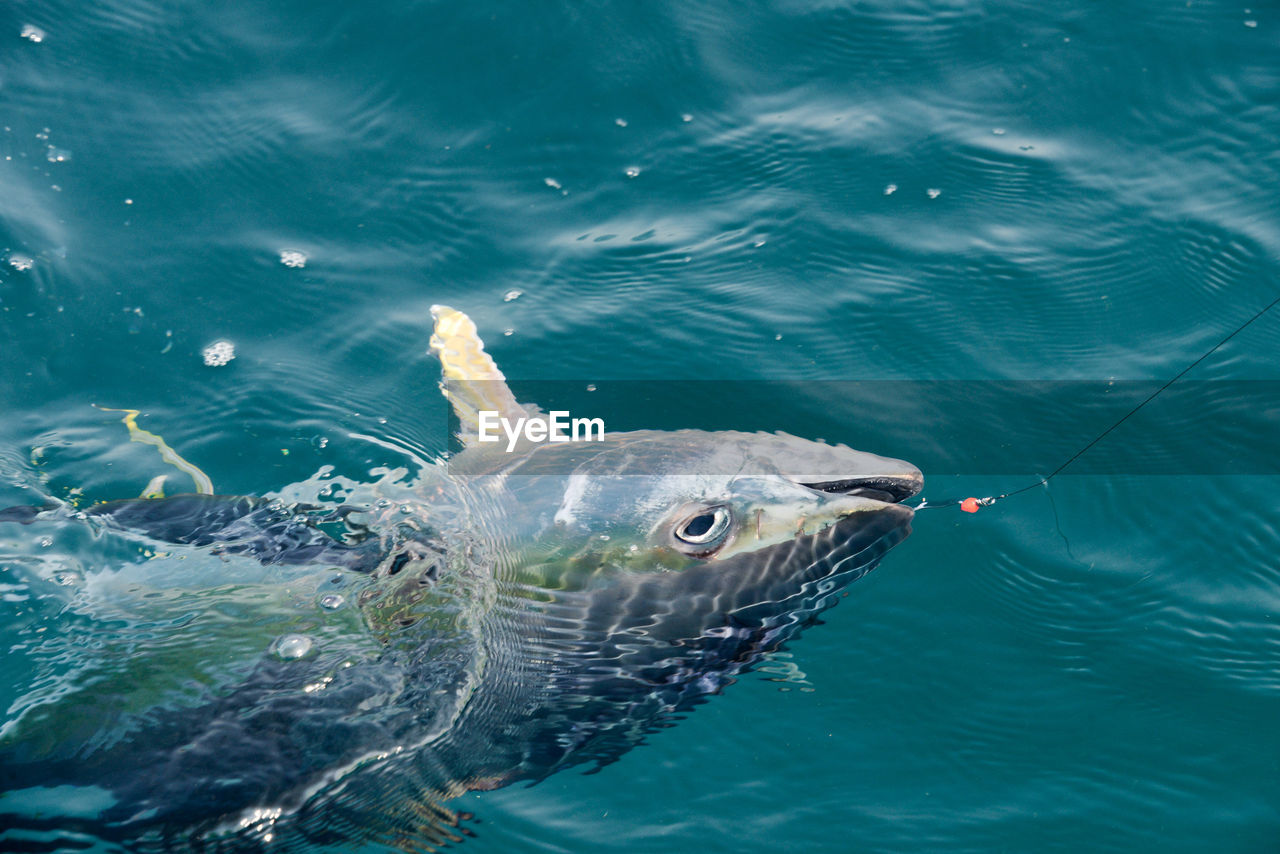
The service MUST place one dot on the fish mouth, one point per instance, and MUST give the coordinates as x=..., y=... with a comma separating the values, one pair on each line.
x=891, y=489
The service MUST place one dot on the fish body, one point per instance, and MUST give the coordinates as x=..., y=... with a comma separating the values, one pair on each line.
x=324, y=672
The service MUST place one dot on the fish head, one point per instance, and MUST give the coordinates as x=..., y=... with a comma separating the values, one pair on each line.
x=636, y=576
x=647, y=502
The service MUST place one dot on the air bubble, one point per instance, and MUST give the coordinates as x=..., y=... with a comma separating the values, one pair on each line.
x=632, y=171
x=33, y=33
x=332, y=601
x=219, y=353
x=933, y=192
x=890, y=189
x=21, y=262
x=512, y=294
x=293, y=647
x=293, y=258
x=620, y=122
x=552, y=183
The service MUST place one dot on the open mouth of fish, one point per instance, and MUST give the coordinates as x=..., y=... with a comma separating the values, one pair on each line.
x=890, y=489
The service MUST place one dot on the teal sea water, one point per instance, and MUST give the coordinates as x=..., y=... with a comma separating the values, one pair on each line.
x=776, y=199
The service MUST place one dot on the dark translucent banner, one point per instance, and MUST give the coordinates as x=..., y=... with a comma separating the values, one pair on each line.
x=960, y=427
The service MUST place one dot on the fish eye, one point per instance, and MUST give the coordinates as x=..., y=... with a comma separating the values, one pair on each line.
x=705, y=528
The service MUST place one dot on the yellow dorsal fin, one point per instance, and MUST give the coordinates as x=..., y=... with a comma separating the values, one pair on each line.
x=471, y=381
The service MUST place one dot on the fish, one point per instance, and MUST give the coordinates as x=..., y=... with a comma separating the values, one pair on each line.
x=335, y=662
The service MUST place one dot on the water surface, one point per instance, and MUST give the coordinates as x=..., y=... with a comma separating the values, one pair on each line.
x=791, y=195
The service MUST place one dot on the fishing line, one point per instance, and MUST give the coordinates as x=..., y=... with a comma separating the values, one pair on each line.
x=972, y=505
